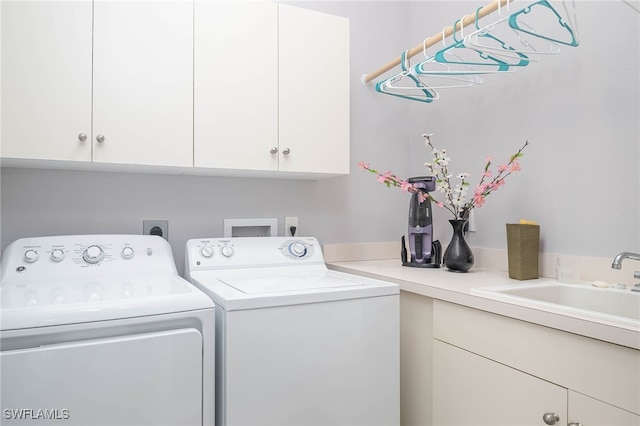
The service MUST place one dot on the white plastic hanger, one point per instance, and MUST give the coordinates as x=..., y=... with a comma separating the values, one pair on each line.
x=517, y=40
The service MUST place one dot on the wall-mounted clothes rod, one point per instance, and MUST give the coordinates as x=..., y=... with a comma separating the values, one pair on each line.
x=448, y=31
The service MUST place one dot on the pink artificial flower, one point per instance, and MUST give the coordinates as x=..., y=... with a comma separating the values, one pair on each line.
x=478, y=200
x=487, y=174
x=480, y=189
x=515, y=167
x=502, y=168
x=363, y=166
x=488, y=159
x=440, y=204
x=381, y=178
x=405, y=186
x=422, y=197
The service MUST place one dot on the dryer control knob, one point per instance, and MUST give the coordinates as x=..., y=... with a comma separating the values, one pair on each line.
x=206, y=251
x=298, y=249
x=30, y=256
x=57, y=255
x=93, y=254
x=127, y=252
x=226, y=251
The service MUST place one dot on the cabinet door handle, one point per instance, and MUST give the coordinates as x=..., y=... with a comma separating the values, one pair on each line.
x=286, y=151
x=274, y=150
x=551, y=418
x=82, y=137
x=100, y=138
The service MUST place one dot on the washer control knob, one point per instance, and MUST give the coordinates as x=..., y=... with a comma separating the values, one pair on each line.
x=206, y=251
x=30, y=256
x=226, y=251
x=127, y=252
x=298, y=249
x=57, y=255
x=93, y=254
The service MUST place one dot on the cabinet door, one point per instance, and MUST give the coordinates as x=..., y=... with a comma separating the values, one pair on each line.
x=143, y=82
x=472, y=390
x=236, y=85
x=314, y=91
x=591, y=412
x=46, y=80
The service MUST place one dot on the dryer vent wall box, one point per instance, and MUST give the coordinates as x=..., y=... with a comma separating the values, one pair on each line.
x=267, y=227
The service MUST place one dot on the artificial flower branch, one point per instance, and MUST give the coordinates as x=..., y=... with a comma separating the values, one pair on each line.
x=455, y=197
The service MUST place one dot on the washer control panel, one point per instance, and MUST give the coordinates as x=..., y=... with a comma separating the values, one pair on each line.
x=236, y=252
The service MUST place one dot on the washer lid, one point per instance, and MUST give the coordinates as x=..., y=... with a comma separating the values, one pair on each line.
x=280, y=286
x=289, y=282
x=41, y=304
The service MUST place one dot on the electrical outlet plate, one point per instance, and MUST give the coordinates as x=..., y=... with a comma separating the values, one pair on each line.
x=290, y=221
x=150, y=227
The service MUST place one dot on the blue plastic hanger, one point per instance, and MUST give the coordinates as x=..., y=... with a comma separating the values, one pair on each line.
x=516, y=25
x=416, y=91
x=480, y=58
x=496, y=46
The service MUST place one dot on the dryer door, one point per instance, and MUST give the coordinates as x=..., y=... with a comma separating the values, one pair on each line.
x=148, y=378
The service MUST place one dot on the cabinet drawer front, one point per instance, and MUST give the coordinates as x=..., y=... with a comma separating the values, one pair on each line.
x=602, y=370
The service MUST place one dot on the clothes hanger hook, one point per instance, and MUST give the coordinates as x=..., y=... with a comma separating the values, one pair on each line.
x=424, y=46
x=455, y=24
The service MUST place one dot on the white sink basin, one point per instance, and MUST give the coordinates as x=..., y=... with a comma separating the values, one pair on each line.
x=620, y=306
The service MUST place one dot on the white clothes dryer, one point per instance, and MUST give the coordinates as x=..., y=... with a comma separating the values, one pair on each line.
x=101, y=330
x=297, y=343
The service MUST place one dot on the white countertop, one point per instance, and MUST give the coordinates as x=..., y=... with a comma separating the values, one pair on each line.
x=456, y=287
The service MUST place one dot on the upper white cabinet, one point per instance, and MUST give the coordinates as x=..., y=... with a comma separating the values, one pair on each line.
x=203, y=85
x=236, y=85
x=46, y=80
x=314, y=91
x=271, y=88
x=143, y=82
x=126, y=67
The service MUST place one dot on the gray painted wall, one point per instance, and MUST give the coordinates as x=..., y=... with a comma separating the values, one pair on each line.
x=580, y=178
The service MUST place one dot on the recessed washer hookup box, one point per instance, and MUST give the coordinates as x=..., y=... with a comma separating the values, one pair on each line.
x=252, y=227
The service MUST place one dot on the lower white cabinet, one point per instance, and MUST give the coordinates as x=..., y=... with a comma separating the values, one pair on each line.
x=472, y=390
x=493, y=370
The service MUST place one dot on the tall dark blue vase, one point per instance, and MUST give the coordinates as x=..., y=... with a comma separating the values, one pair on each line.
x=458, y=256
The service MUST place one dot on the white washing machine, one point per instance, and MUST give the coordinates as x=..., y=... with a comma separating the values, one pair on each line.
x=296, y=343
x=101, y=330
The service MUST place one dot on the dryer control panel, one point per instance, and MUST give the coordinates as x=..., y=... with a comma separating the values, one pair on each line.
x=242, y=252
x=86, y=256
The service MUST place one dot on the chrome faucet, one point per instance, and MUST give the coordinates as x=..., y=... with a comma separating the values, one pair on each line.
x=617, y=264
x=617, y=261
